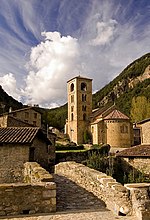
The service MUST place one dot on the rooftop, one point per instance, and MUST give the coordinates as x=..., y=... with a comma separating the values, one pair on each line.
x=20, y=135
x=136, y=151
x=116, y=114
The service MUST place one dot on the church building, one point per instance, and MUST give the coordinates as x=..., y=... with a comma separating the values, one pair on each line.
x=104, y=125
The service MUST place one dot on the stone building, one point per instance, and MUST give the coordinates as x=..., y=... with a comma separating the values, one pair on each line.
x=137, y=157
x=106, y=125
x=20, y=145
x=144, y=130
x=27, y=115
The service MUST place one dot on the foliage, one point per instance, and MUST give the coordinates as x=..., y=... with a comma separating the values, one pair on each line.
x=97, y=161
x=87, y=136
x=55, y=117
x=140, y=108
x=68, y=147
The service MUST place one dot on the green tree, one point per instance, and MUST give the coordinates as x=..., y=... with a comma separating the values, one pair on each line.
x=140, y=108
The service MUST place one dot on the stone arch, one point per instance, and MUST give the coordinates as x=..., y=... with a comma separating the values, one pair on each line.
x=83, y=86
x=71, y=87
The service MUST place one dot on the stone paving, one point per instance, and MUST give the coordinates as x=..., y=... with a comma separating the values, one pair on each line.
x=74, y=202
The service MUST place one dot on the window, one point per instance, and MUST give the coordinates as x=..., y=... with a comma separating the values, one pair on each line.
x=83, y=97
x=26, y=114
x=34, y=123
x=72, y=98
x=83, y=87
x=124, y=129
x=71, y=87
x=71, y=116
x=35, y=115
x=72, y=108
x=84, y=108
x=92, y=129
x=84, y=117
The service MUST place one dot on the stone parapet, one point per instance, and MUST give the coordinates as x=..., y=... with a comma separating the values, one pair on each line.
x=36, y=195
x=115, y=195
x=33, y=172
x=140, y=197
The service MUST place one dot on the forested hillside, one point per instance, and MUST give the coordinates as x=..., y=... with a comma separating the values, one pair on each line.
x=7, y=101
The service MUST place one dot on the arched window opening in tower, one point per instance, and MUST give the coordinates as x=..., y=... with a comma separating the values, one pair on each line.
x=84, y=108
x=71, y=87
x=83, y=86
x=72, y=98
x=83, y=97
x=84, y=117
x=71, y=116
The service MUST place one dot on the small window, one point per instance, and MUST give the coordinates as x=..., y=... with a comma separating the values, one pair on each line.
x=124, y=129
x=92, y=129
x=26, y=114
x=72, y=98
x=83, y=87
x=84, y=108
x=84, y=117
x=83, y=97
x=72, y=87
x=35, y=115
x=72, y=108
x=71, y=116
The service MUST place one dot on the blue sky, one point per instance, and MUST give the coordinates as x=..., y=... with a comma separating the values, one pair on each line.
x=44, y=43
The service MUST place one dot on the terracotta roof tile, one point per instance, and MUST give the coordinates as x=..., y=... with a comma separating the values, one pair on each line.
x=116, y=114
x=136, y=151
x=18, y=134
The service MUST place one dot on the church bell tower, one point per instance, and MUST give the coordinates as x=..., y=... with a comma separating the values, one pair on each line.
x=79, y=107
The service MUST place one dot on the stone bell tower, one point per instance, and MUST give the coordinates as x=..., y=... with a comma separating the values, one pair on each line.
x=79, y=107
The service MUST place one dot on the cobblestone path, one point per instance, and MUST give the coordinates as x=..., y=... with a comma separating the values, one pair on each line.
x=75, y=203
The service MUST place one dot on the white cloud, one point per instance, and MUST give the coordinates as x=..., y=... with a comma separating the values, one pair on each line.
x=105, y=32
x=8, y=83
x=52, y=63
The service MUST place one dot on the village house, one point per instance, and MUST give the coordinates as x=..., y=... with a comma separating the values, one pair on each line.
x=19, y=145
x=137, y=157
x=144, y=130
x=28, y=115
x=106, y=125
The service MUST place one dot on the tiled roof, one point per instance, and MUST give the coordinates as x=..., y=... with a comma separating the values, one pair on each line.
x=102, y=111
x=143, y=121
x=116, y=114
x=18, y=134
x=136, y=151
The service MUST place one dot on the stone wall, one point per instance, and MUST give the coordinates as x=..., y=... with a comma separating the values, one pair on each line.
x=145, y=139
x=115, y=195
x=140, y=198
x=140, y=164
x=11, y=163
x=36, y=195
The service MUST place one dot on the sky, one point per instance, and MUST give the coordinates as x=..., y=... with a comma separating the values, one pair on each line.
x=44, y=43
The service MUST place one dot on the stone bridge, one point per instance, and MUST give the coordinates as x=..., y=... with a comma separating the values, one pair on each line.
x=98, y=190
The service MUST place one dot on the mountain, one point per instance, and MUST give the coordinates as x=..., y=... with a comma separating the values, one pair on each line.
x=7, y=101
x=130, y=86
